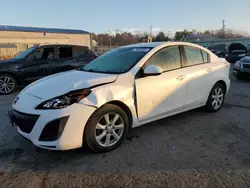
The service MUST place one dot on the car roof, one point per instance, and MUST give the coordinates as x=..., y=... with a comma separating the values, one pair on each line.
x=156, y=44
x=47, y=45
x=146, y=45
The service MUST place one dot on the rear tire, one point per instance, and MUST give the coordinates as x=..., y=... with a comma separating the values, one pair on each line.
x=216, y=98
x=106, y=128
x=8, y=84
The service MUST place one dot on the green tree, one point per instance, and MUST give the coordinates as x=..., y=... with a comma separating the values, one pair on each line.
x=161, y=37
x=180, y=35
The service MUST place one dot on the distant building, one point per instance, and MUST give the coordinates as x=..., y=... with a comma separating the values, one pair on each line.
x=94, y=43
x=17, y=38
x=215, y=42
x=199, y=38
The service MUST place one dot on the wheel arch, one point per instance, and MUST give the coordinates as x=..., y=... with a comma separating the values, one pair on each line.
x=222, y=83
x=11, y=74
x=125, y=108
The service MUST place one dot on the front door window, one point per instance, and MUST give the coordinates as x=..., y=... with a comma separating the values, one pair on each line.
x=44, y=53
x=167, y=58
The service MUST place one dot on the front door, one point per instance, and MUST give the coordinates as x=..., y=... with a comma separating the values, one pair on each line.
x=38, y=64
x=163, y=94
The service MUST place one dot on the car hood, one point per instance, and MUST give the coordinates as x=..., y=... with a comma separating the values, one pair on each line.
x=7, y=61
x=246, y=59
x=236, y=46
x=61, y=83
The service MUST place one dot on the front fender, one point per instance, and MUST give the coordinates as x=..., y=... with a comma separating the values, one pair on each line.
x=108, y=93
x=124, y=93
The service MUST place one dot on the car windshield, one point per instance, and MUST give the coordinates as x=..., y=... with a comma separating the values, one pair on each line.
x=23, y=54
x=117, y=61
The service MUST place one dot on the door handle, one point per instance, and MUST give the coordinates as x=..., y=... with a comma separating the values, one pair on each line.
x=181, y=77
x=209, y=70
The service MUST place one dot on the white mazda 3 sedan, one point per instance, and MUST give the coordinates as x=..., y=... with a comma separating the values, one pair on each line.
x=127, y=87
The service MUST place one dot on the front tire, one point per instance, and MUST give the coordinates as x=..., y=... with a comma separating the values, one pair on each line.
x=106, y=128
x=216, y=98
x=7, y=84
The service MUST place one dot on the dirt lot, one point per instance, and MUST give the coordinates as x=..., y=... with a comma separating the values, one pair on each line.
x=193, y=149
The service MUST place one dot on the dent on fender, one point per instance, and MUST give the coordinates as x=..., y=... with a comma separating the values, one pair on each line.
x=123, y=90
x=99, y=97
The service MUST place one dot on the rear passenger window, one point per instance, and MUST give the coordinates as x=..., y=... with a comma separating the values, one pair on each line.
x=205, y=55
x=65, y=52
x=167, y=58
x=79, y=51
x=82, y=52
x=193, y=55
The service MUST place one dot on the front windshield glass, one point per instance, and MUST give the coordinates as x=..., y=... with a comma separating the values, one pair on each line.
x=117, y=61
x=23, y=54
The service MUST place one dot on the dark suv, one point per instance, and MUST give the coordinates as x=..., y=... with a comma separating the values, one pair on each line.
x=40, y=61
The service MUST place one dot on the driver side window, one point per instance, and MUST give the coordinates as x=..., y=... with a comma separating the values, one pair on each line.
x=44, y=53
x=167, y=58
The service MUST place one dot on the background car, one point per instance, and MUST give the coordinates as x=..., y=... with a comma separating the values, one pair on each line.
x=218, y=53
x=235, y=52
x=219, y=50
x=40, y=61
x=241, y=68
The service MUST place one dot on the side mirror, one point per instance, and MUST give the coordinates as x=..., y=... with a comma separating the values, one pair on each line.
x=152, y=70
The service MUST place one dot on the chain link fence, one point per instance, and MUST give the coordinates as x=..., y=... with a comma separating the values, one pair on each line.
x=103, y=49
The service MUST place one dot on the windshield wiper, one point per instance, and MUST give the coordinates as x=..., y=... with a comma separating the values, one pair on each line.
x=92, y=70
x=89, y=70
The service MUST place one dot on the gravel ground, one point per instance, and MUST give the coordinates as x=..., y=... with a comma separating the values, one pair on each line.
x=180, y=179
x=192, y=149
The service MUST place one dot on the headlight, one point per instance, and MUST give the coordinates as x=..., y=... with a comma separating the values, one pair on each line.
x=237, y=64
x=64, y=101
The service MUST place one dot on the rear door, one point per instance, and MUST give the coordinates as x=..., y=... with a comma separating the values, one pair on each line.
x=199, y=74
x=72, y=57
x=82, y=55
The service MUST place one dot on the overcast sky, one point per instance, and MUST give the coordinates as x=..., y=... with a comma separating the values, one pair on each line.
x=105, y=15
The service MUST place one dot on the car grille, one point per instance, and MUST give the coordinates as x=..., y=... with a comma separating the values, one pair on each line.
x=246, y=66
x=25, y=122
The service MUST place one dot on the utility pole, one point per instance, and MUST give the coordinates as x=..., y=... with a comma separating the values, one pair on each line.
x=150, y=35
x=109, y=39
x=223, y=28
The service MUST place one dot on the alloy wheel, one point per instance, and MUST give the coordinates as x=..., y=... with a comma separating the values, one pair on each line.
x=109, y=129
x=217, y=98
x=7, y=84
